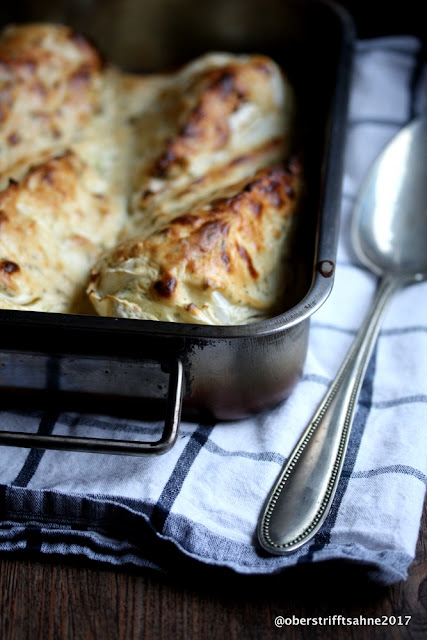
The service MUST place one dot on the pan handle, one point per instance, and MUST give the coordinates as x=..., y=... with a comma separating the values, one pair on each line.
x=106, y=445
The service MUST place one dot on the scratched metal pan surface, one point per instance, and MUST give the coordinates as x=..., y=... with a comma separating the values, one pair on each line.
x=224, y=372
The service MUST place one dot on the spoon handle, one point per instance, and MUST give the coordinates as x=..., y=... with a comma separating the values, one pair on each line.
x=301, y=498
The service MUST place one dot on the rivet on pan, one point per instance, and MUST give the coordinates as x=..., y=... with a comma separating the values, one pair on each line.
x=325, y=268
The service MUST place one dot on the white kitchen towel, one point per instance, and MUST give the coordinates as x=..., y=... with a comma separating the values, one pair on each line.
x=200, y=503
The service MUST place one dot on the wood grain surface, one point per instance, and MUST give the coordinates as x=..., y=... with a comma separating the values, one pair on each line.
x=57, y=601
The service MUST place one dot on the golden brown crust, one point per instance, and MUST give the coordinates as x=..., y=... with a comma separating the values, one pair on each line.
x=50, y=88
x=180, y=157
x=58, y=210
x=207, y=233
x=221, y=264
x=213, y=123
x=218, y=93
x=53, y=225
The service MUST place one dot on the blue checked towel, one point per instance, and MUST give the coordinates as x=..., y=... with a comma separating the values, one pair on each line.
x=200, y=503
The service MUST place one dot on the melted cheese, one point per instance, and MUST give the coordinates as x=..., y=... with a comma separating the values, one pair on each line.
x=54, y=223
x=64, y=165
x=213, y=123
x=169, y=191
x=222, y=263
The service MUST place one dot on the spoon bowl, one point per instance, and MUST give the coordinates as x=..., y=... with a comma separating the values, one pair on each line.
x=389, y=229
x=389, y=235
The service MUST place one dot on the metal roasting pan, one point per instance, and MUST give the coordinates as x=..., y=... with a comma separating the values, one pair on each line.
x=151, y=369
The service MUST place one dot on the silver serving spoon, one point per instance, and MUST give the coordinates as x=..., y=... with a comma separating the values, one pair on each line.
x=389, y=236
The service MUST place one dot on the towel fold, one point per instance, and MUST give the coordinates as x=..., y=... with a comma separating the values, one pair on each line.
x=202, y=500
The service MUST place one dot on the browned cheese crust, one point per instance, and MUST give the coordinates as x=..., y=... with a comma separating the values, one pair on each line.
x=53, y=224
x=50, y=89
x=224, y=263
x=213, y=123
x=183, y=173
x=212, y=212
x=63, y=166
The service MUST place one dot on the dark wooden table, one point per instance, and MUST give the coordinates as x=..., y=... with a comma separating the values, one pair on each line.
x=57, y=601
